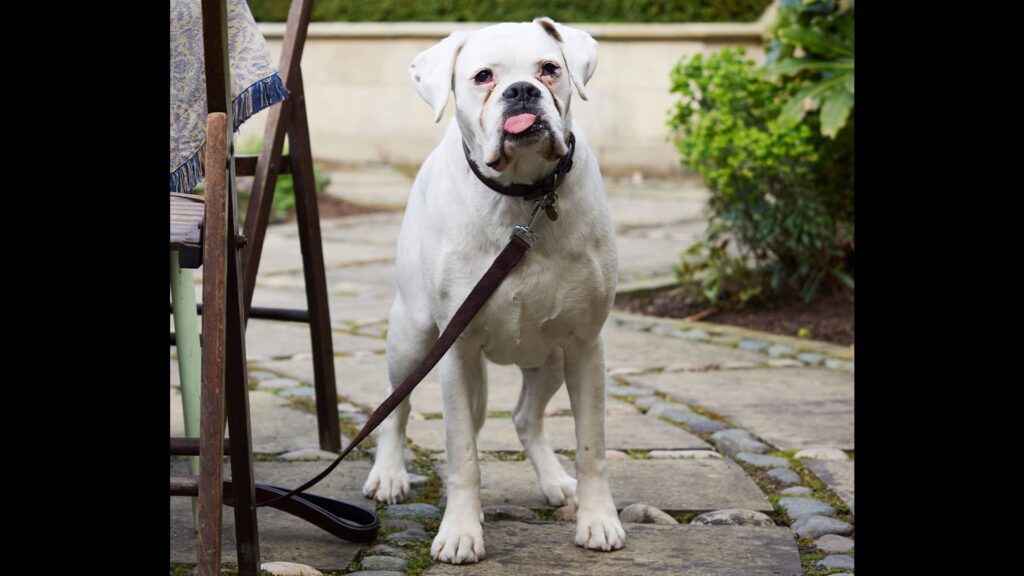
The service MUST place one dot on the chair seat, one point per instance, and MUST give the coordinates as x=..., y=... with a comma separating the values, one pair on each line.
x=187, y=212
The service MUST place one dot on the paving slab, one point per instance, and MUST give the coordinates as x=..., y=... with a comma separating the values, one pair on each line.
x=283, y=538
x=377, y=228
x=281, y=253
x=363, y=379
x=621, y=433
x=792, y=408
x=837, y=475
x=635, y=214
x=284, y=339
x=374, y=185
x=287, y=291
x=521, y=549
x=641, y=257
x=671, y=485
x=372, y=279
x=276, y=427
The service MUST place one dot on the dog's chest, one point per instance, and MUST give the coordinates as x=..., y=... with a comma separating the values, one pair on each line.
x=551, y=299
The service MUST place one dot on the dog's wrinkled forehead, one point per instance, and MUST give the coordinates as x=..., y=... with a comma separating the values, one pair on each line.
x=506, y=48
x=514, y=47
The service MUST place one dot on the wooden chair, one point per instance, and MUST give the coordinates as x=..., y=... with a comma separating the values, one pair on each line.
x=205, y=232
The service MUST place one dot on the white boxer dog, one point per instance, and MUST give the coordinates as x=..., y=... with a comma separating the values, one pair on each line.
x=513, y=85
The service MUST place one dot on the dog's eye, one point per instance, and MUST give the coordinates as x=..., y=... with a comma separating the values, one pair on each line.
x=550, y=69
x=483, y=77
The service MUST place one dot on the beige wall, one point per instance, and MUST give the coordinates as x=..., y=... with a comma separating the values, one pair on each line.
x=363, y=108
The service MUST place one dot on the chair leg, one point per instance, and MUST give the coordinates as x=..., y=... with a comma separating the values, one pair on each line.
x=308, y=216
x=237, y=393
x=211, y=422
x=237, y=388
x=186, y=335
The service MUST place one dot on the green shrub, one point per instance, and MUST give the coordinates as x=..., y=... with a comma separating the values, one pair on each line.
x=781, y=191
x=517, y=11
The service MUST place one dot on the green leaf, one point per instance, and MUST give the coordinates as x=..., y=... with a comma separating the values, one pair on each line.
x=835, y=110
x=844, y=277
x=849, y=83
x=816, y=41
x=793, y=66
x=793, y=110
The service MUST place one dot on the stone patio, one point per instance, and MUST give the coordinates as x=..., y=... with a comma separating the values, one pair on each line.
x=784, y=408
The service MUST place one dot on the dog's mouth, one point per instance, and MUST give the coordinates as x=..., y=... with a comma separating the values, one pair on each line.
x=523, y=125
x=521, y=128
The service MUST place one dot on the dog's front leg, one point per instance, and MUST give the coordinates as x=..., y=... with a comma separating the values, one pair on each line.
x=460, y=538
x=597, y=523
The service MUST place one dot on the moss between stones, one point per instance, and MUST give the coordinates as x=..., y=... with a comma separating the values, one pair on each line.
x=418, y=559
x=710, y=414
x=304, y=403
x=684, y=517
x=809, y=554
x=509, y=456
x=545, y=515
x=430, y=492
x=821, y=490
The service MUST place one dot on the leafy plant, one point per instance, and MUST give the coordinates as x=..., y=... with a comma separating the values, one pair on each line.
x=812, y=46
x=781, y=206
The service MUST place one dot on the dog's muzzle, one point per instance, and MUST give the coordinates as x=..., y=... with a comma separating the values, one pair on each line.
x=523, y=118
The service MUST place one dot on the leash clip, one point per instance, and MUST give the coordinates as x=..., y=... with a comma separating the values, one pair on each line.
x=525, y=234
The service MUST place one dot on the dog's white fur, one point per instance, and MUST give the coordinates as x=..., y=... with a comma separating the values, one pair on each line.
x=547, y=315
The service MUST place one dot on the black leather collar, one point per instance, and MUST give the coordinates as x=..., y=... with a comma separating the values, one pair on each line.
x=529, y=191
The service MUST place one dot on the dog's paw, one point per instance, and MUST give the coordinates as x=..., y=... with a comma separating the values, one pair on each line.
x=458, y=542
x=597, y=531
x=390, y=486
x=561, y=491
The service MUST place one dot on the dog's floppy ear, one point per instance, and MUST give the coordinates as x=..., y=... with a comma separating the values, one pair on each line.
x=431, y=71
x=578, y=48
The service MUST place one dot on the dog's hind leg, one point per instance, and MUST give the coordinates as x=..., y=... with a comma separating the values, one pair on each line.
x=408, y=342
x=539, y=385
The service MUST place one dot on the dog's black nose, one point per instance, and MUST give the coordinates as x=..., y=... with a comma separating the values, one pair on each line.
x=521, y=92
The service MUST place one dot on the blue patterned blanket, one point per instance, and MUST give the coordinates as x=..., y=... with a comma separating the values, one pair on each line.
x=255, y=83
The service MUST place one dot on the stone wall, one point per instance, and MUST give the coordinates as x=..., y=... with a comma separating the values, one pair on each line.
x=363, y=108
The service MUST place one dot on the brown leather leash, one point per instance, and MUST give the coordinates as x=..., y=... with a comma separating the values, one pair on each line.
x=356, y=524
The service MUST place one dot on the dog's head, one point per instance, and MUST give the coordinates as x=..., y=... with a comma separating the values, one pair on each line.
x=512, y=85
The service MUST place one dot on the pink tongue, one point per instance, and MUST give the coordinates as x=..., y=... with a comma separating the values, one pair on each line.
x=516, y=124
